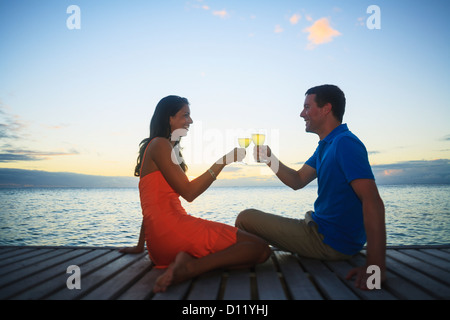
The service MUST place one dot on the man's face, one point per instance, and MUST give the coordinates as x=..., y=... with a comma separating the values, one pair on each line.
x=312, y=114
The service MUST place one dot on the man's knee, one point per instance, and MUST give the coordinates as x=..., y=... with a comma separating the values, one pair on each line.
x=244, y=218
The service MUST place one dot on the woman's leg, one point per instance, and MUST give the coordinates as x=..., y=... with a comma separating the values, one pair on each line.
x=248, y=251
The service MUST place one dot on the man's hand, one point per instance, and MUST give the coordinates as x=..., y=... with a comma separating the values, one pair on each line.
x=362, y=276
x=262, y=153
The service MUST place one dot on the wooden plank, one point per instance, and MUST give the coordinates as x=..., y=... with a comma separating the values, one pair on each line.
x=327, y=281
x=206, y=287
x=432, y=286
x=399, y=287
x=113, y=287
x=422, y=266
x=142, y=289
x=238, y=286
x=6, y=250
x=33, y=266
x=93, y=273
x=297, y=282
x=174, y=292
x=14, y=254
x=431, y=259
x=58, y=265
x=268, y=282
x=414, y=272
x=19, y=261
x=443, y=254
x=55, y=278
x=341, y=268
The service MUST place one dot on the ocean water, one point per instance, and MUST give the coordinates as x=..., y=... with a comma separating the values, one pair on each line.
x=415, y=214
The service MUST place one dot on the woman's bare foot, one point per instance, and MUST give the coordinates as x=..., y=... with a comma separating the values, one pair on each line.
x=177, y=272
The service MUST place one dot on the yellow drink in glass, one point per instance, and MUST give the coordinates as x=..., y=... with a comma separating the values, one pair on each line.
x=244, y=142
x=258, y=140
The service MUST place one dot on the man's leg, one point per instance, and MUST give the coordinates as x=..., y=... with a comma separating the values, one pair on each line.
x=294, y=235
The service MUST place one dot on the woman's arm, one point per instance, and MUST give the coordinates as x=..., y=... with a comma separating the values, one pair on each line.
x=140, y=245
x=161, y=153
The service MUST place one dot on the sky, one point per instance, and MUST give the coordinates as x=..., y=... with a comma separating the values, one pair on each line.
x=78, y=85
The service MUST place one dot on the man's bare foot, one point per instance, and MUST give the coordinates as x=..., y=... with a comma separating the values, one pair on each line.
x=177, y=272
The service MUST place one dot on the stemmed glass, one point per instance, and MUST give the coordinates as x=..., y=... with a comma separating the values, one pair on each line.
x=258, y=140
x=244, y=143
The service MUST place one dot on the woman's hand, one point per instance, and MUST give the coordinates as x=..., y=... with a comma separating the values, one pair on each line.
x=237, y=154
x=135, y=249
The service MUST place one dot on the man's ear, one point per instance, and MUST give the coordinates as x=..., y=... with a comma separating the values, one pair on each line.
x=326, y=108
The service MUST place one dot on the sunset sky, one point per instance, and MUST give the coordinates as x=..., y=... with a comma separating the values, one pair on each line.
x=80, y=100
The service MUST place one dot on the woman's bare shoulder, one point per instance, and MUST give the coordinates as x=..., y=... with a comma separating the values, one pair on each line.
x=159, y=145
x=160, y=142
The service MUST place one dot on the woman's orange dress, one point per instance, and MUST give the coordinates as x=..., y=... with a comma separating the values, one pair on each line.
x=170, y=230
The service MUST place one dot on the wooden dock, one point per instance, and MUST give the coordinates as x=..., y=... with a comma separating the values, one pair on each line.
x=40, y=273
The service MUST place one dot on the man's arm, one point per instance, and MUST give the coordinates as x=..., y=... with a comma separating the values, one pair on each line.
x=296, y=179
x=374, y=223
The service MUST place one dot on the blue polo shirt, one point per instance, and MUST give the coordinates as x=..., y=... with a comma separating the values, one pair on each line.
x=339, y=159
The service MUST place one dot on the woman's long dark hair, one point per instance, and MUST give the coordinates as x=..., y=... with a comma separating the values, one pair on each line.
x=160, y=126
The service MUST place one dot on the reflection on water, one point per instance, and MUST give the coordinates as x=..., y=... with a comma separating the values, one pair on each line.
x=112, y=217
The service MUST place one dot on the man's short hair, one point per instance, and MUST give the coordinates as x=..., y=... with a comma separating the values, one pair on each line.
x=329, y=93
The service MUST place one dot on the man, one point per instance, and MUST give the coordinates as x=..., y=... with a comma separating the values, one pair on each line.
x=348, y=211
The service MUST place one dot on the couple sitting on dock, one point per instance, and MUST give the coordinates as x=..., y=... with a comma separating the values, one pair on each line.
x=348, y=211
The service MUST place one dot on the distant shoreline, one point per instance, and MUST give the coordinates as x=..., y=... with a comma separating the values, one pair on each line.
x=435, y=172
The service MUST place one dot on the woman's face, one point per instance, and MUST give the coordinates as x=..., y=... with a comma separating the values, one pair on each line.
x=181, y=121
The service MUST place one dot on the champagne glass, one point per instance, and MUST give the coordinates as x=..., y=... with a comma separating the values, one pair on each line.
x=244, y=143
x=258, y=139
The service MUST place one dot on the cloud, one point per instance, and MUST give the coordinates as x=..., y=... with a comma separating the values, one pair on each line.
x=12, y=130
x=10, y=125
x=414, y=172
x=35, y=178
x=12, y=155
x=361, y=21
x=278, y=29
x=222, y=13
x=393, y=172
x=295, y=18
x=320, y=32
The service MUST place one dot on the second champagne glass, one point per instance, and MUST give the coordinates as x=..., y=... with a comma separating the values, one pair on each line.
x=258, y=140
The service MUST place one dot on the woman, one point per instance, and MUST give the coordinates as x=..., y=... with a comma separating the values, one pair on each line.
x=187, y=246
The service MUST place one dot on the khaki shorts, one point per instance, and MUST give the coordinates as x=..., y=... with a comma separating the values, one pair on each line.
x=294, y=235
